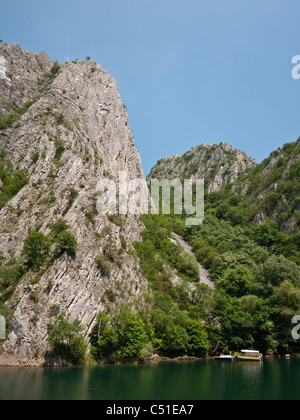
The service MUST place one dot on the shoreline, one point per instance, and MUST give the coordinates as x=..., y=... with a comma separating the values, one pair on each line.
x=13, y=361
x=43, y=362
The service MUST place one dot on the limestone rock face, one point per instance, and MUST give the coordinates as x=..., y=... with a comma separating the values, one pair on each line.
x=218, y=165
x=75, y=132
x=21, y=72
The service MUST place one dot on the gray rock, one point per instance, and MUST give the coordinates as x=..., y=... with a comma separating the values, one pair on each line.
x=218, y=165
x=79, y=106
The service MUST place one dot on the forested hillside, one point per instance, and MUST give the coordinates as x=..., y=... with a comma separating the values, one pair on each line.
x=251, y=250
x=249, y=242
x=270, y=191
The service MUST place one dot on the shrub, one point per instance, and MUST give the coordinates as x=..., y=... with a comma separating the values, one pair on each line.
x=103, y=265
x=116, y=219
x=59, y=149
x=57, y=228
x=60, y=119
x=36, y=248
x=90, y=217
x=66, y=242
x=188, y=267
x=73, y=194
x=9, y=276
x=12, y=182
x=35, y=157
x=55, y=69
x=67, y=340
x=50, y=77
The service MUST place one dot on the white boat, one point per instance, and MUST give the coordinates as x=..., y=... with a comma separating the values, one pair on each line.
x=228, y=357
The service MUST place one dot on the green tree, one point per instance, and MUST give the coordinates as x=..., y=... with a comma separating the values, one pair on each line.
x=230, y=260
x=36, y=248
x=188, y=267
x=60, y=226
x=286, y=304
x=236, y=281
x=276, y=271
x=198, y=344
x=132, y=336
x=123, y=337
x=244, y=322
x=66, y=242
x=67, y=339
x=104, y=338
x=206, y=256
x=170, y=332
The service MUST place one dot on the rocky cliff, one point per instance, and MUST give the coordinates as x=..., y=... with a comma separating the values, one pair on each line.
x=254, y=193
x=62, y=128
x=218, y=165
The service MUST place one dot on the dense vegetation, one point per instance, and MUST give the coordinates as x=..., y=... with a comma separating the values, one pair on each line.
x=257, y=292
x=127, y=337
x=255, y=268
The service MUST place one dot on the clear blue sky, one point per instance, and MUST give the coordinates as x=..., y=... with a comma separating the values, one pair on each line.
x=188, y=71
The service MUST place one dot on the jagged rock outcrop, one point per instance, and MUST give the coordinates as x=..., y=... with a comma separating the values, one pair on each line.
x=258, y=192
x=68, y=129
x=218, y=165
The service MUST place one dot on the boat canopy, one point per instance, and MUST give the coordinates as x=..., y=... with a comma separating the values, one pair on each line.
x=249, y=351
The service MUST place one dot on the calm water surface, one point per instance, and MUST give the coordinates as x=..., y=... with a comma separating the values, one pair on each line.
x=201, y=380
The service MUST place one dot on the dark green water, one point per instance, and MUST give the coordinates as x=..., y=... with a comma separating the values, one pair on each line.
x=201, y=380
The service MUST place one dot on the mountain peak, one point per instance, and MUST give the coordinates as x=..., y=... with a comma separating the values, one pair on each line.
x=217, y=164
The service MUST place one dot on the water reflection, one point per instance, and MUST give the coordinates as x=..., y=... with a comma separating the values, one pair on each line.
x=202, y=380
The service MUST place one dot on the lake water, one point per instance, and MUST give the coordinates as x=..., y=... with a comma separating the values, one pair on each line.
x=199, y=380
